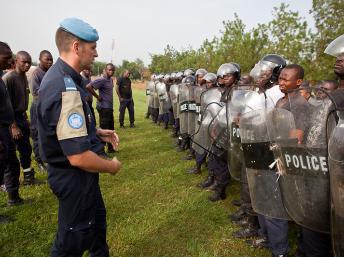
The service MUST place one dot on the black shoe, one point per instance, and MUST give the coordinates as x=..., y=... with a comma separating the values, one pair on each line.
x=244, y=222
x=132, y=125
x=237, y=202
x=220, y=194
x=122, y=126
x=14, y=199
x=238, y=215
x=246, y=233
x=42, y=168
x=5, y=219
x=207, y=183
x=180, y=149
x=194, y=170
x=3, y=188
x=280, y=255
x=111, y=151
x=212, y=187
x=189, y=157
x=261, y=242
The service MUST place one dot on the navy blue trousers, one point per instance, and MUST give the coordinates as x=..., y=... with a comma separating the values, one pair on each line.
x=276, y=231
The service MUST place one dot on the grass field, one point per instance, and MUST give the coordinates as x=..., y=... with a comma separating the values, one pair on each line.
x=153, y=206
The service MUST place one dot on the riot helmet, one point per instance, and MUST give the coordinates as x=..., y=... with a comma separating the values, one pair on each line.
x=167, y=77
x=201, y=72
x=190, y=80
x=336, y=47
x=210, y=80
x=188, y=72
x=266, y=72
x=225, y=73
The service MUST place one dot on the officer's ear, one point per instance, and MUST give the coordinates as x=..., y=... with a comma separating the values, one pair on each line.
x=76, y=47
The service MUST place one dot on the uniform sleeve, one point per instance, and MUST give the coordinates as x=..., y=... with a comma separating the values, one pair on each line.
x=8, y=80
x=98, y=83
x=66, y=122
x=301, y=114
x=34, y=84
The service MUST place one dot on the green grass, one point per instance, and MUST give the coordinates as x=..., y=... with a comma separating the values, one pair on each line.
x=153, y=206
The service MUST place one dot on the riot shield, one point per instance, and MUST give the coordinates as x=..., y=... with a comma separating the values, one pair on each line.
x=210, y=106
x=336, y=170
x=218, y=132
x=149, y=93
x=238, y=104
x=192, y=111
x=298, y=128
x=163, y=98
x=198, y=92
x=262, y=180
x=174, y=91
x=183, y=102
x=155, y=96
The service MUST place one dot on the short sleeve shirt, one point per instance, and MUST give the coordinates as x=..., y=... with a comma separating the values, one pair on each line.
x=35, y=82
x=105, y=88
x=49, y=108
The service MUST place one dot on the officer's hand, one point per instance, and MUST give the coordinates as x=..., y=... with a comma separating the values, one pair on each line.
x=121, y=99
x=109, y=136
x=16, y=132
x=117, y=166
x=99, y=99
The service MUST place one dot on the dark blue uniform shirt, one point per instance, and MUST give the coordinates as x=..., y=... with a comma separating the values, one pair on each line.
x=49, y=109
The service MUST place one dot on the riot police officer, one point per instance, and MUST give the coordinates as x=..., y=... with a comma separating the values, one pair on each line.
x=70, y=144
x=228, y=74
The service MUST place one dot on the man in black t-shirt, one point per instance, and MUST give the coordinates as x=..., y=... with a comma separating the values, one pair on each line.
x=9, y=164
x=125, y=96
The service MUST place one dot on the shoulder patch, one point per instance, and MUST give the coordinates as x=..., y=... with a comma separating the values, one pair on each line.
x=75, y=120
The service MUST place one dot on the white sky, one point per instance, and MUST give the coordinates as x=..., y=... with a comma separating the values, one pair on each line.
x=138, y=27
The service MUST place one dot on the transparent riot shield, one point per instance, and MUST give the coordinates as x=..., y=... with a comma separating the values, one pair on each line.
x=198, y=92
x=192, y=111
x=238, y=104
x=209, y=107
x=336, y=170
x=155, y=96
x=183, y=102
x=262, y=178
x=164, y=100
x=174, y=91
x=298, y=128
x=149, y=93
x=218, y=132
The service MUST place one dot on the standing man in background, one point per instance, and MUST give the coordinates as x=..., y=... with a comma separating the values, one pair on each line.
x=45, y=62
x=9, y=164
x=125, y=96
x=86, y=77
x=104, y=85
x=18, y=89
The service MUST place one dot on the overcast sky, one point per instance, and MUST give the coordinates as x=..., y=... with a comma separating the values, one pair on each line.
x=137, y=27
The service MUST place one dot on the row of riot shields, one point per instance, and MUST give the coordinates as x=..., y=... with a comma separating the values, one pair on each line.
x=293, y=152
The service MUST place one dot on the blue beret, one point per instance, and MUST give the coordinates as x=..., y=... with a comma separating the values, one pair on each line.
x=80, y=29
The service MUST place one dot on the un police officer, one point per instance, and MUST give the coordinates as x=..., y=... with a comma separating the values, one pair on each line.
x=70, y=144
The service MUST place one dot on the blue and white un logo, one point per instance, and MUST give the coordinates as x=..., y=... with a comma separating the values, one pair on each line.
x=75, y=120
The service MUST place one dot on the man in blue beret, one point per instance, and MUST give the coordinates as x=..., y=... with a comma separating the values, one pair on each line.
x=72, y=146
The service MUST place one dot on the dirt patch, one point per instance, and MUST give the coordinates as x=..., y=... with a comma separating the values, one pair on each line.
x=139, y=84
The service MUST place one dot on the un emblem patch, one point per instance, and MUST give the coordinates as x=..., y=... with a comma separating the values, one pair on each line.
x=75, y=120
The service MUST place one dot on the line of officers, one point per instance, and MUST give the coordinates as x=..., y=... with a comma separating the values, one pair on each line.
x=281, y=137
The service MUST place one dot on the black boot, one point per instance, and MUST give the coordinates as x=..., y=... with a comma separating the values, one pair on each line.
x=213, y=186
x=220, y=193
x=247, y=232
x=14, y=199
x=207, y=183
x=237, y=202
x=238, y=215
x=5, y=219
x=42, y=167
x=29, y=178
x=195, y=170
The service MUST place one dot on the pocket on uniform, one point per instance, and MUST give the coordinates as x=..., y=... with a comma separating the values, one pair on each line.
x=76, y=239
